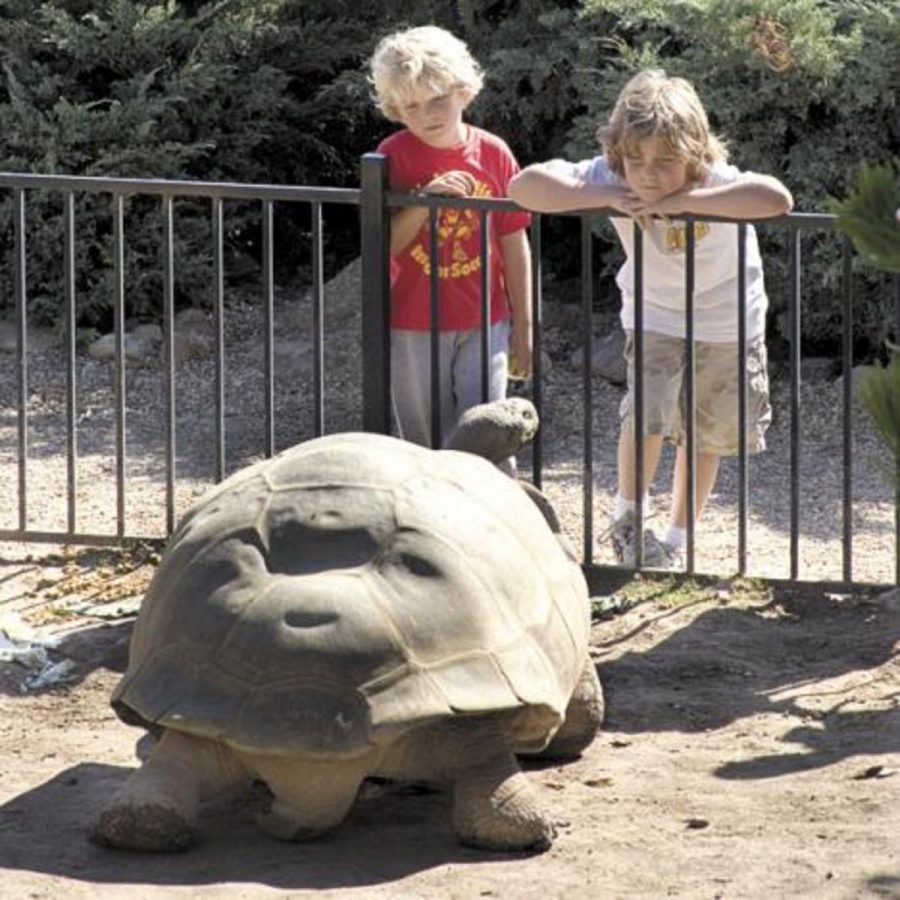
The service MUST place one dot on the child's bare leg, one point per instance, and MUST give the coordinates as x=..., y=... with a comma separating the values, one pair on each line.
x=627, y=465
x=707, y=469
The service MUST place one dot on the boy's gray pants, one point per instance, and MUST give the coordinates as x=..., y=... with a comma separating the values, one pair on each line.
x=460, y=377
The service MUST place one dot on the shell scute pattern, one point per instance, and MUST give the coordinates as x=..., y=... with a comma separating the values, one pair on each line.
x=352, y=588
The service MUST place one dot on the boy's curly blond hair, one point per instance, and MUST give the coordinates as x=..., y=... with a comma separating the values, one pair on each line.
x=653, y=104
x=417, y=61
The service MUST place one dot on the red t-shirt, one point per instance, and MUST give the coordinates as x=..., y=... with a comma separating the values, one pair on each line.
x=412, y=164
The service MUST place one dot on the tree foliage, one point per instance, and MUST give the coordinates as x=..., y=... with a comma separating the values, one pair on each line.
x=275, y=91
x=869, y=215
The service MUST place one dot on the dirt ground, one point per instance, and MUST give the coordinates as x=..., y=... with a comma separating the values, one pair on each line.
x=751, y=749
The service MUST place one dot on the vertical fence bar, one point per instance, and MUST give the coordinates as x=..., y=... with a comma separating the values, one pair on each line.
x=537, y=339
x=375, y=240
x=847, y=367
x=434, y=287
x=587, y=309
x=742, y=497
x=269, y=326
x=169, y=347
x=119, y=328
x=690, y=401
x=794, y=324
x=22, y=352
x=897, y=467
x=318, y=291
x=638, y=410
x=485, y=306
x=71, y=406
x=219, y=327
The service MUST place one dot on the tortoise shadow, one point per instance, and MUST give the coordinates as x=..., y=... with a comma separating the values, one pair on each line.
x=386, y=837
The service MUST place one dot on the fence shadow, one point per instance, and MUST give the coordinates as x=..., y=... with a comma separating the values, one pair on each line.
x=804, y=655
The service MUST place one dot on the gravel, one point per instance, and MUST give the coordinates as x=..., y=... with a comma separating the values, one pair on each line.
x=819, y=478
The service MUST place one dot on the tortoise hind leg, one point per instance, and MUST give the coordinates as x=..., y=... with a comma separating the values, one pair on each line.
x=311, y=798
x=156, y=809
x=584, y=716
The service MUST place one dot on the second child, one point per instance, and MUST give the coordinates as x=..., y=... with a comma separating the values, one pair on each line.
x=660, y=159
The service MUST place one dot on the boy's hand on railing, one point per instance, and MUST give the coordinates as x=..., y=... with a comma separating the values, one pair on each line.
x=662, y=208
x=455, y=183
x=628, y=202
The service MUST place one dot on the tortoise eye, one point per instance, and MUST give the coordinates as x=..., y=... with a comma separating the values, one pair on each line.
x=419, y=566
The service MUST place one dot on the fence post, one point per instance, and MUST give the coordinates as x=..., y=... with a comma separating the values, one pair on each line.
x=375, y=293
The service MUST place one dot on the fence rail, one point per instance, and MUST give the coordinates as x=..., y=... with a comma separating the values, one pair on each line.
x=374, y=200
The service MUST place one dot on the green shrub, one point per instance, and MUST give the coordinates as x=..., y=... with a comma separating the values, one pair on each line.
x=131, y=89
x=869, y=215
x=275, y=91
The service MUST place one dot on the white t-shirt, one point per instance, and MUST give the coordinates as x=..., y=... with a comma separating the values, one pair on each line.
x=715, y=266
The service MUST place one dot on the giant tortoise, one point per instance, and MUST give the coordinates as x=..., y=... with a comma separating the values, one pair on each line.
x=359, y=606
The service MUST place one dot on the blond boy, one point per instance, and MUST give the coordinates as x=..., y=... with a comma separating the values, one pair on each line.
x=425, y=78
x=660, y=159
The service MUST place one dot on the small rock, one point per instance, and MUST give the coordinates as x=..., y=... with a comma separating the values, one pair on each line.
x=607, y=360
x=137, y=349
x=857, y=376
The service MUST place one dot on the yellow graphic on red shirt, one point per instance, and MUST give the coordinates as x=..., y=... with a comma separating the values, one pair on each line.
x=676, y=235
x=461, y=228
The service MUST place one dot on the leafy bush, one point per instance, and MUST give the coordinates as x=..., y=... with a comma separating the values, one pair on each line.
x=869, y=215
x=137, y=89
x=129, y=90
x=275, y=91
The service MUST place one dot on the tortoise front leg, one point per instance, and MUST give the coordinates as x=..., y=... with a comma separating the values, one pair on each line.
x=494, y=804
x=156, y=809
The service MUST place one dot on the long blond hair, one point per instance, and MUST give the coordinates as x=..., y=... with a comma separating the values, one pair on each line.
x=653, y=104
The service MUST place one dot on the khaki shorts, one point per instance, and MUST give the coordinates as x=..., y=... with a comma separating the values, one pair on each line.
x=715, y=392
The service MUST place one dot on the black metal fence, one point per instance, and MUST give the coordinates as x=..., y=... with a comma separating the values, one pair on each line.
x=374, y=200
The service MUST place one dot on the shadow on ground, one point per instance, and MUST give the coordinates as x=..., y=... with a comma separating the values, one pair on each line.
x=807, y=655
x=384, y=839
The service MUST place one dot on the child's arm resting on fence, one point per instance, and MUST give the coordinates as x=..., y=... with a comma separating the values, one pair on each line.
x=556, y=187
x=751, y=196
x=517, y=268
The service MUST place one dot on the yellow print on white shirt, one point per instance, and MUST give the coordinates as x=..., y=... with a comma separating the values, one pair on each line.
x=461, y=228
x=676, y=235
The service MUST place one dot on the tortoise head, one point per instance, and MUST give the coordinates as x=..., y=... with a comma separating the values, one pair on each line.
x=495, y=430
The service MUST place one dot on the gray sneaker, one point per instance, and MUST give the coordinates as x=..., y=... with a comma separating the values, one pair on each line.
x=657, y=553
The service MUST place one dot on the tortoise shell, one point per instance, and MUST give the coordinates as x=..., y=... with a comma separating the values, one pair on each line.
x=350, y=589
